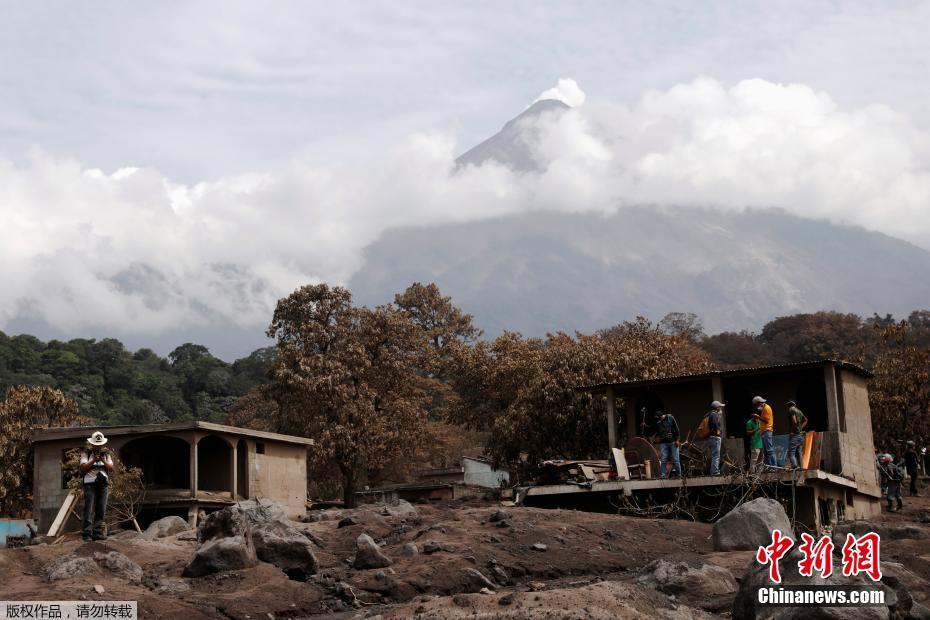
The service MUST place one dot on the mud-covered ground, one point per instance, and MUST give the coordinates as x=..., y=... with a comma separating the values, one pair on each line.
x=538, y=563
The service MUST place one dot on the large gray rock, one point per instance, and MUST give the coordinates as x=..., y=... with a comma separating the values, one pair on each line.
x=746, y=605
x=167, y=526
x=120, y=565
x=286, y=547
x=399, y=508
x=473, y=580
x=679, y=578
x=268, y=536
x=222, y=554
x=225, y=523
x=70, y=565
x=368, y=554
x=750, y=525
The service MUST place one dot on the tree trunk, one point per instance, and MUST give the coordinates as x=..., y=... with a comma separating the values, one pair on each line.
x=348, y=489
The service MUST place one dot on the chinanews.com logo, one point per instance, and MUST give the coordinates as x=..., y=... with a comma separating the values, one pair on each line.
x=859, y=556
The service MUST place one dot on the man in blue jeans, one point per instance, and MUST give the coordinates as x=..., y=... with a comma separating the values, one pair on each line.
x=714, y=439
x=668, y=435
x=96, y=466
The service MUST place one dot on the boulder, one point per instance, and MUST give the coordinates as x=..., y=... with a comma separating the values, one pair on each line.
x=286, y=547
x=258, y=511
x=433, y=546
x=368, y=554
x=473, y=580
x=499, y=515
x=399, y=508
x=70, y=565
x=166, y=526
x=120, y=565
x=746, y=605
x=539, y=547
x=222, y=554
x=266, y=533
x=410, y=550
x=171, y=585
x=225, y=523
x=679, y=578
x=348, y=521
x=750, y=525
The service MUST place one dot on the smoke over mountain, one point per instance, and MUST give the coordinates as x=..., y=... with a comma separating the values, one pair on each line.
x=132, y=252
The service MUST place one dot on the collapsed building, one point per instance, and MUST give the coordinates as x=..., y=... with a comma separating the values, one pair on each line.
x=187, y=467
x=839, y=480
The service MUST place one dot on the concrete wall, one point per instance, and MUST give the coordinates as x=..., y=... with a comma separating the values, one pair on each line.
x=479, y=473
x=279, y=474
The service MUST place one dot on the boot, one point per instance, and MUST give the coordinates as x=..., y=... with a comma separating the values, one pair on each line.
x=900, y=505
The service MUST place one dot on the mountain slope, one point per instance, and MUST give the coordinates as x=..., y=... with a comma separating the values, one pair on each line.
x=511, y=146
x=542, y=272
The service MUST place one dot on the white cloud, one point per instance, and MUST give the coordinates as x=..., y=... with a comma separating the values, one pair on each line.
x=132, y=250
x=567, y=91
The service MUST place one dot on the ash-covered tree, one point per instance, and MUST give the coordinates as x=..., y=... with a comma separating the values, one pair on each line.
x=523, y=390
x=347, y=377
x=899, y=393
x=445, y=327
x=26, y=409
x=686, y=325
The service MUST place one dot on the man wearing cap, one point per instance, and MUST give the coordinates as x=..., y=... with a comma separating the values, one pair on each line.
x=797, y=422
x=713, y=438
x=96, y=465
x=763, y=413
x=891, y=476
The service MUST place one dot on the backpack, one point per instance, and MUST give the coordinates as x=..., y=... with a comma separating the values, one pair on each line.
x=703, y=431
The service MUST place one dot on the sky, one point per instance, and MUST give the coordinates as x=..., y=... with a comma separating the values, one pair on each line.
x=169, y=170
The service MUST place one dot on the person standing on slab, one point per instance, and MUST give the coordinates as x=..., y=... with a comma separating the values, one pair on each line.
x=797, y=422
x=714, y=426
x=96, y=465
x=763, y=413
x=668, y=436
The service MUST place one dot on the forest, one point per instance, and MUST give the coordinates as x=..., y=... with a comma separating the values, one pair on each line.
x=414, y=382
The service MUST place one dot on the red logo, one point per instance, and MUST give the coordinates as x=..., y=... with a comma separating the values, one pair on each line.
x=773, y=553
x=860, y=555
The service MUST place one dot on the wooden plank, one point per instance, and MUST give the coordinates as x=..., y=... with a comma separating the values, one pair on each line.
x=62, y=515
x=622, y=471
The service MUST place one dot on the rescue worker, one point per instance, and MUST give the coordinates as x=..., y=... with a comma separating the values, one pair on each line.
x=763, y=413
x=668, y=436
x=797, y=422
x=891, y=476
x=912, y=464
x=714, y=427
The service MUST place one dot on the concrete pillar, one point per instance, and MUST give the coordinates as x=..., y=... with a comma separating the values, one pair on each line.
x=233, y=470
x=611, y=418
x=193, y=465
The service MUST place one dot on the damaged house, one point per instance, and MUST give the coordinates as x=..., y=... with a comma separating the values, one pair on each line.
x=187, y=467
x=839, y=480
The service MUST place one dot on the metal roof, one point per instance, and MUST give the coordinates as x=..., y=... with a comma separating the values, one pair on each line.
x=600, y=388
x=74, y=432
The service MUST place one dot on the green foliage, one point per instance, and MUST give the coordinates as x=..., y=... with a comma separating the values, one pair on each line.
x=114, y=386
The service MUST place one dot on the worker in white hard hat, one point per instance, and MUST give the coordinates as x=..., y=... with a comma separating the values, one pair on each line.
x=96, y=465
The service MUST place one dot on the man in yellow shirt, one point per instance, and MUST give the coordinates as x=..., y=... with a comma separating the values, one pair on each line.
x=763, y=413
